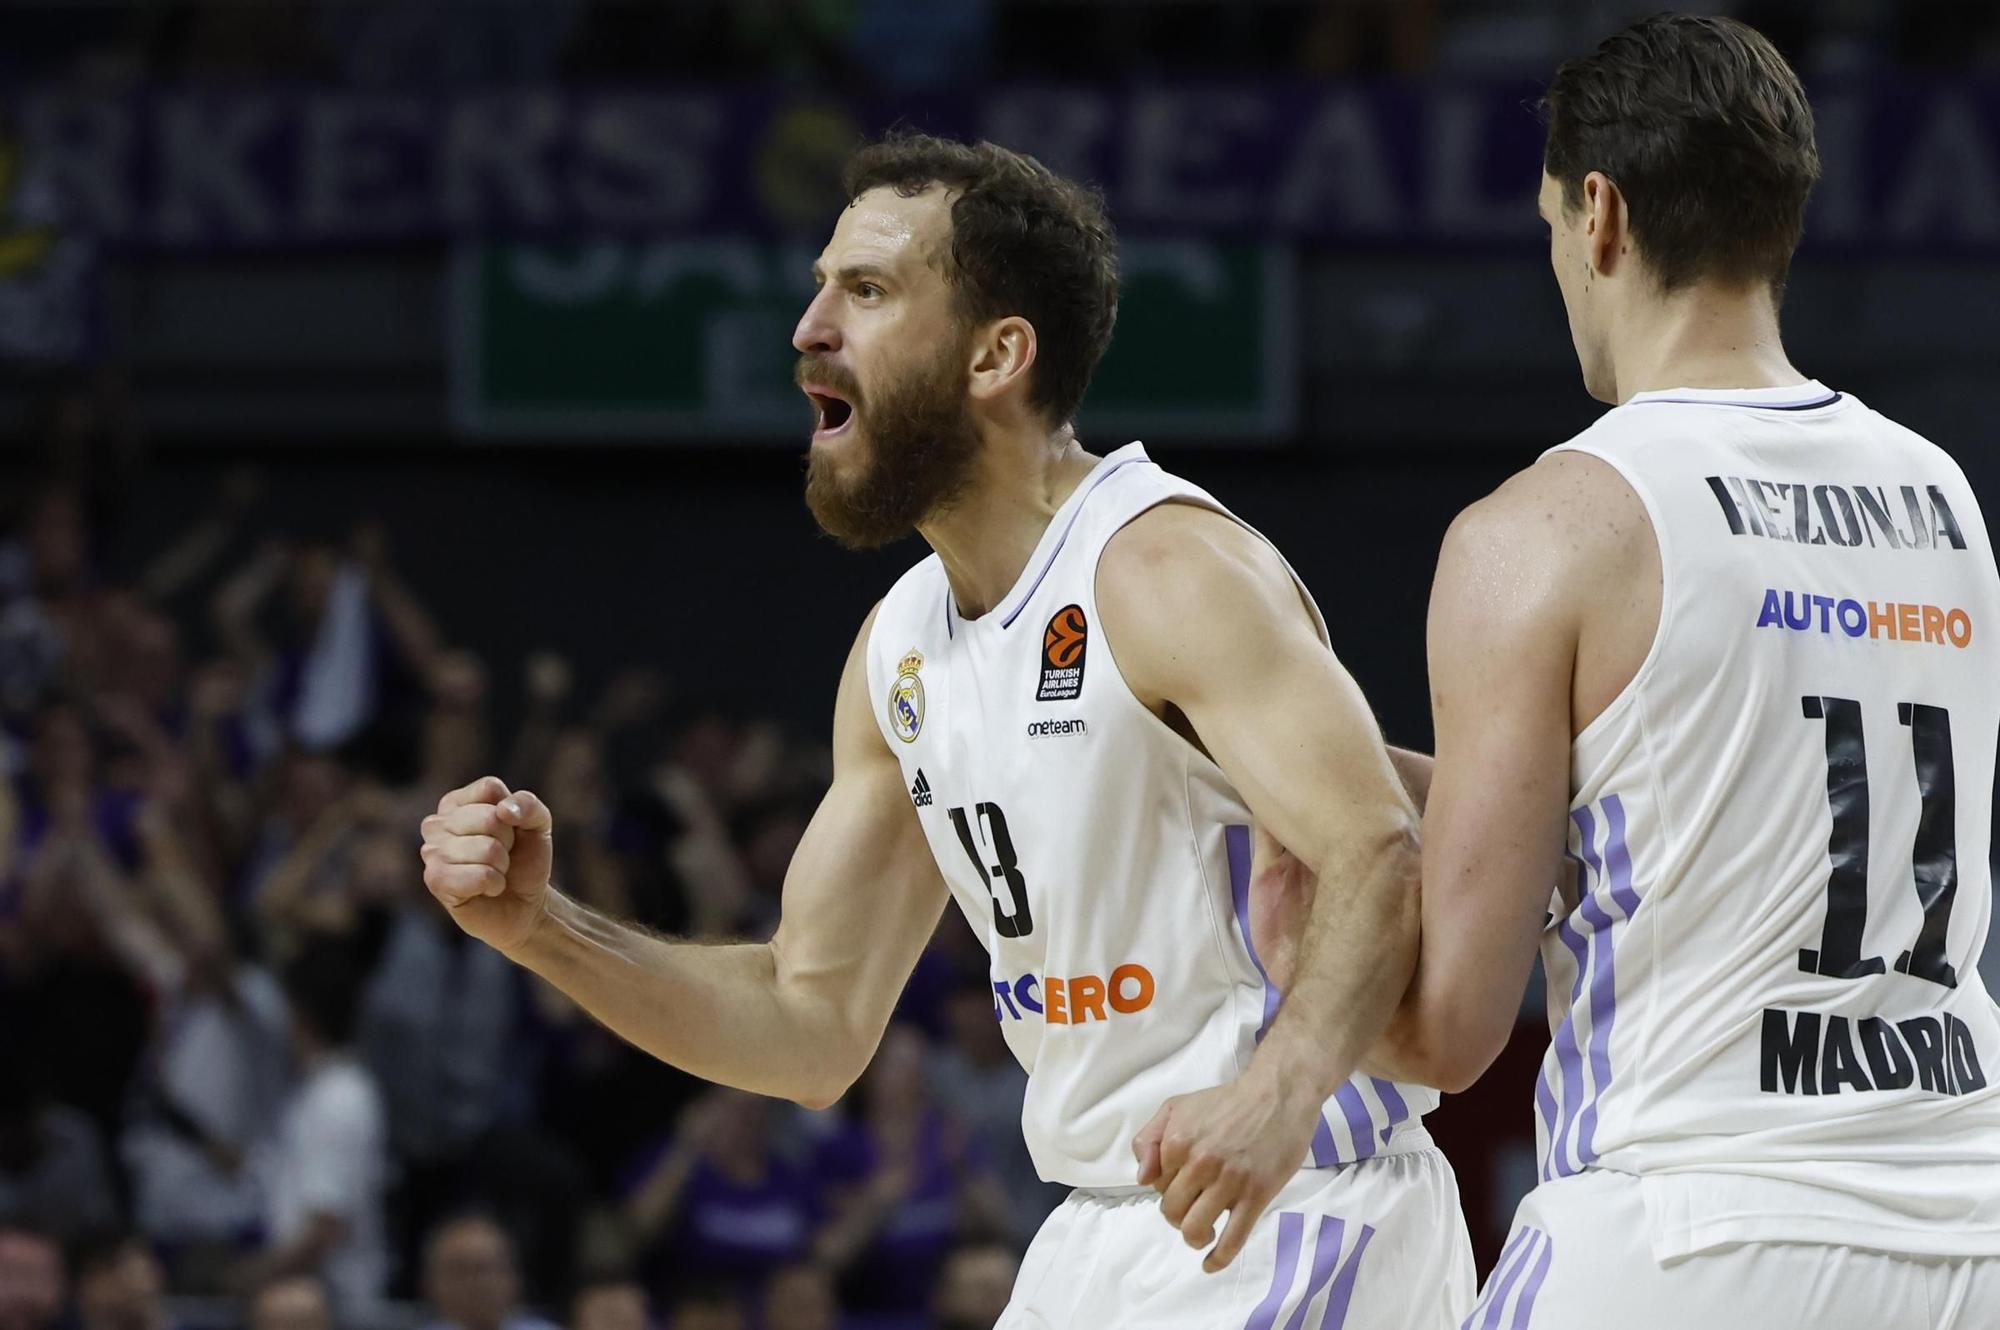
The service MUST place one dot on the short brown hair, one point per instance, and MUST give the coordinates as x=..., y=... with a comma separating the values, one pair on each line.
x=1707, y=133
x=1024, y=241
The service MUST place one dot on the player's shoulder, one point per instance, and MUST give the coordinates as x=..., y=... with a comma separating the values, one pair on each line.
x=1552, y=532
x=1181, y=550
x=1567, y=499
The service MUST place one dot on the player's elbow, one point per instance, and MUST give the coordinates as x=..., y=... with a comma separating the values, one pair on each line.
x=826, y=1081
x=824, y=1066
x=818, y=1097
x=1430, y=1049
x=1455, y=1071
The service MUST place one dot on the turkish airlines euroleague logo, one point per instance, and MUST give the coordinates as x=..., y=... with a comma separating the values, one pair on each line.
x=1063, y=644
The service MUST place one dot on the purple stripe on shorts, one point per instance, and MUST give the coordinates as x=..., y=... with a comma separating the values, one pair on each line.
x=1291, y=1226
x=1360, y=1123
x=1236, y=842
x=1342, y=1294
x=1520, y=1236
x=1326, y=1250
x=1392, y=1099
x=1506, y=1282
x=1524, y=1310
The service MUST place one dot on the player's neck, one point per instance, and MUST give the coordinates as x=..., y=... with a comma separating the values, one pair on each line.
x=988, y=536
x=1703, y=337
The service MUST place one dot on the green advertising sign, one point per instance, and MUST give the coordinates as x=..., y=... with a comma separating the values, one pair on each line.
x=691, y=341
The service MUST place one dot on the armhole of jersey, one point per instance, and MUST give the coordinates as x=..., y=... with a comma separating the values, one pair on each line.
x=1978, y=519
x=1207, y=504
x=1629, y=693
x=877, y=694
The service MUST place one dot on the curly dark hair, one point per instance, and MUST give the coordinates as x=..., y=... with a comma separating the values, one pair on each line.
x=1707, y=133
x=1024, y=241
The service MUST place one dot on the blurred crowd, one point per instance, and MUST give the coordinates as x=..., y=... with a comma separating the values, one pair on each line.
x=916, y=46
x=252, y=1074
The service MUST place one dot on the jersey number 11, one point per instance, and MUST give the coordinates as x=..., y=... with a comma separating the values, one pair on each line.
x=1934, y=855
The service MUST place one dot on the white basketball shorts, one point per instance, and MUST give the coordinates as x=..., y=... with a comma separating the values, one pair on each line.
x=1374, y=1245
x=1580, y=1258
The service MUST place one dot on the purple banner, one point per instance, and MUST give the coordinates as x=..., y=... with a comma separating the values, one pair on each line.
x=1910, y=167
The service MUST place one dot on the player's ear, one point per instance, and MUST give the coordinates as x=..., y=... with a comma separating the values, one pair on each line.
x=1607, y=232
x=1002, y=353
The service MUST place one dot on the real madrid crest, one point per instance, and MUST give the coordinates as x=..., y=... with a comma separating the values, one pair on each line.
x=906, y=697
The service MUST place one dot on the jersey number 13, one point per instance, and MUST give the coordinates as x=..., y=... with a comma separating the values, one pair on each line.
x=1014, y=919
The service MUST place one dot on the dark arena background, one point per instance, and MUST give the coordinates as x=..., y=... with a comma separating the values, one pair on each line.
x=398, y=390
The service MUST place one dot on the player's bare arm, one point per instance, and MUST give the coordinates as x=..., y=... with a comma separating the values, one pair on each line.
x=1545, y=600
x=1233, y=655
x=1414, y=769
x=797, y=1017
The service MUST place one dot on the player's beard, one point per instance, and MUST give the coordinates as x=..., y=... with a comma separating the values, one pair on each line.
x=915, y=460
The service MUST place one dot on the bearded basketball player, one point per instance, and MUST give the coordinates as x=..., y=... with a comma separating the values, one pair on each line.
x=1067, y=720
x=1724, y=666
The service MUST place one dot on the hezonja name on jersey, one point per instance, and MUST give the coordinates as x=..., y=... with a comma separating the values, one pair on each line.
x=1846, y=515
x=1898, y=621
x=1074, y=1001
x=1807, y=1053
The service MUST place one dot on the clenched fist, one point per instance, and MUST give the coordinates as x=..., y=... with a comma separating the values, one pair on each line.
x=486, y=857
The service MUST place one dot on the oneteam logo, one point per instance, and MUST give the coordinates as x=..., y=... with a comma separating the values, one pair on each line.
x=1042, y=729
x=1891, y=620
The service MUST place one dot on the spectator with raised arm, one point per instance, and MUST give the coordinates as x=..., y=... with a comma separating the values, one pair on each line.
x=907, y=1186
x=719, y=1201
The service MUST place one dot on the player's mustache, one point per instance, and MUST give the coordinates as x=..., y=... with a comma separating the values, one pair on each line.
x=820, y=372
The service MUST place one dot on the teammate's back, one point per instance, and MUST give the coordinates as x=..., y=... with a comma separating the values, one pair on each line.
x=1722, y=666
x=1780, y=837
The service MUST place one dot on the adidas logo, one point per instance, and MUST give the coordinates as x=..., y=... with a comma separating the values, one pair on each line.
x=920, y=793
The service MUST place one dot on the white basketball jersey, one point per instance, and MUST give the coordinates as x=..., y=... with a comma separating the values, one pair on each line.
x=1104, y=860
x=1763, y=983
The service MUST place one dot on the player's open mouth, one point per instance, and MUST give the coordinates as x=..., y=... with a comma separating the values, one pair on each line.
x=836, y=413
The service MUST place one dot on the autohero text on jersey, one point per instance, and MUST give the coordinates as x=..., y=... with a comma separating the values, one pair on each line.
x=1889, y=620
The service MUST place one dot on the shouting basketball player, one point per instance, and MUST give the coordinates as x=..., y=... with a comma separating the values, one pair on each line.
x=1727, y=666
x=1068, y=719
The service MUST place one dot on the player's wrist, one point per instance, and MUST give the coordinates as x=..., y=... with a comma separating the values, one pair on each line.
x=1296, y=1069
x=543, y=932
